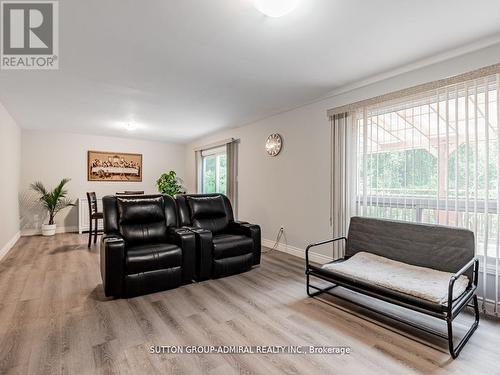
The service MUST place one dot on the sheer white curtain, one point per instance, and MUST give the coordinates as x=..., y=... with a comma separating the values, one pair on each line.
x=434, y=157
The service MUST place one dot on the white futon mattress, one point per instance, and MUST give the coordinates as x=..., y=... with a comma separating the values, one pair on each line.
x=421, y=282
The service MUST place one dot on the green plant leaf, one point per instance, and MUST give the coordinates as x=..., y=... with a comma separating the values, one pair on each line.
x=55, y=200
x=168, y=183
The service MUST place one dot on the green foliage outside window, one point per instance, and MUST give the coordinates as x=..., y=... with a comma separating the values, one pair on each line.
x=209, y=174
x=399, y=171
x=480, y=170
x=210, y=177
x=222, y=174
x=415, y=172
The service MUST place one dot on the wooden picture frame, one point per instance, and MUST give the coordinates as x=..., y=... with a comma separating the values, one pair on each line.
x=114, y=166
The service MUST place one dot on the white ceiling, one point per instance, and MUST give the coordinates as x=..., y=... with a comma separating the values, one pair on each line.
x=179, y=69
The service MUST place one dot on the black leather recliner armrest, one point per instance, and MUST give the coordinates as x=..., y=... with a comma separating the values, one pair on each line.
x=186, y=240
x=112, y=264
x=249, y=230
x=204, y=252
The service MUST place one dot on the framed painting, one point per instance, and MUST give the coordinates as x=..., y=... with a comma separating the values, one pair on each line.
x=114, y=166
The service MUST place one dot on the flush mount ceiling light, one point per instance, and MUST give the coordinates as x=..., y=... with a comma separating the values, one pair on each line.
x=275, y=8
x=130, y=126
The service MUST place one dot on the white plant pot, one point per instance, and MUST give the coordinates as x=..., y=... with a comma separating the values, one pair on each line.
x=48, y=230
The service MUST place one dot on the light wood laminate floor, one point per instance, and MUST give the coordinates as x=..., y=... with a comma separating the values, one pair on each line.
x=55, y=319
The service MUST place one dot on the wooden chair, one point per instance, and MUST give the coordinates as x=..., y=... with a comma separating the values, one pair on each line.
x=94, y=216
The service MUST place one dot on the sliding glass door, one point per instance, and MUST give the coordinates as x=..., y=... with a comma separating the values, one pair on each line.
x=214, y=171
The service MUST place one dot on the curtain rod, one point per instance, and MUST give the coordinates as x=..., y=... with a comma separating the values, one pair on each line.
x=478, y=73
x=216, y=144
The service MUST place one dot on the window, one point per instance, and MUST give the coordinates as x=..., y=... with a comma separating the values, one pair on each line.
x=428, y=154
x=434, y=158
x=217, y=170
x=214, y=170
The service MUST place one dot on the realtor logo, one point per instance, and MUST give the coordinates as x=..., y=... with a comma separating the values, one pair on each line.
x=29, y=37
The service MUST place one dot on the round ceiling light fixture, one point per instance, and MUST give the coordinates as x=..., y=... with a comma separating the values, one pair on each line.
x=275, y=8
x=129, y=126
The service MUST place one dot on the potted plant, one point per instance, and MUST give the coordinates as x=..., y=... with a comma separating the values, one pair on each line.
x=53, y=201
x=169, y=184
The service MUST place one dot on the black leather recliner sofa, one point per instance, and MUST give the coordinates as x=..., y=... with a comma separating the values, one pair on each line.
x=224, y=246
x=142, y=249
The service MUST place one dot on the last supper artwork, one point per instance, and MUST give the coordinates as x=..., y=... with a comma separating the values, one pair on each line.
x=114, y=166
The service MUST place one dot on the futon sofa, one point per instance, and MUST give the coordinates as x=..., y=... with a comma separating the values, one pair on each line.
x=142, y=249
x=425, y=268
x=224, y=246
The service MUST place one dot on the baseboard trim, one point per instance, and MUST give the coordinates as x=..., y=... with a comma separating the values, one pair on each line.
x=38, y=231
x=9, y=245
x=297, y=252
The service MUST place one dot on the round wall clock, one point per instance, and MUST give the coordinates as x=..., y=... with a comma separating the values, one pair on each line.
x=273, y=144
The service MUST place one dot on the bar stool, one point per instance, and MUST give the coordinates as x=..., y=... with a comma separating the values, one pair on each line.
x=94, y=215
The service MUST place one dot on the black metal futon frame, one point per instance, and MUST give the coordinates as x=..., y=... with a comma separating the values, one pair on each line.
x=446, y=312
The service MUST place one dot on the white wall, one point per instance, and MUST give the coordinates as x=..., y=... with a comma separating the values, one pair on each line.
x=10, y=155
x=293, y=189
x=50, y=156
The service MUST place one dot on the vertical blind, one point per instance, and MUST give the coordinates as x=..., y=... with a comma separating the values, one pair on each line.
x=434, y=157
